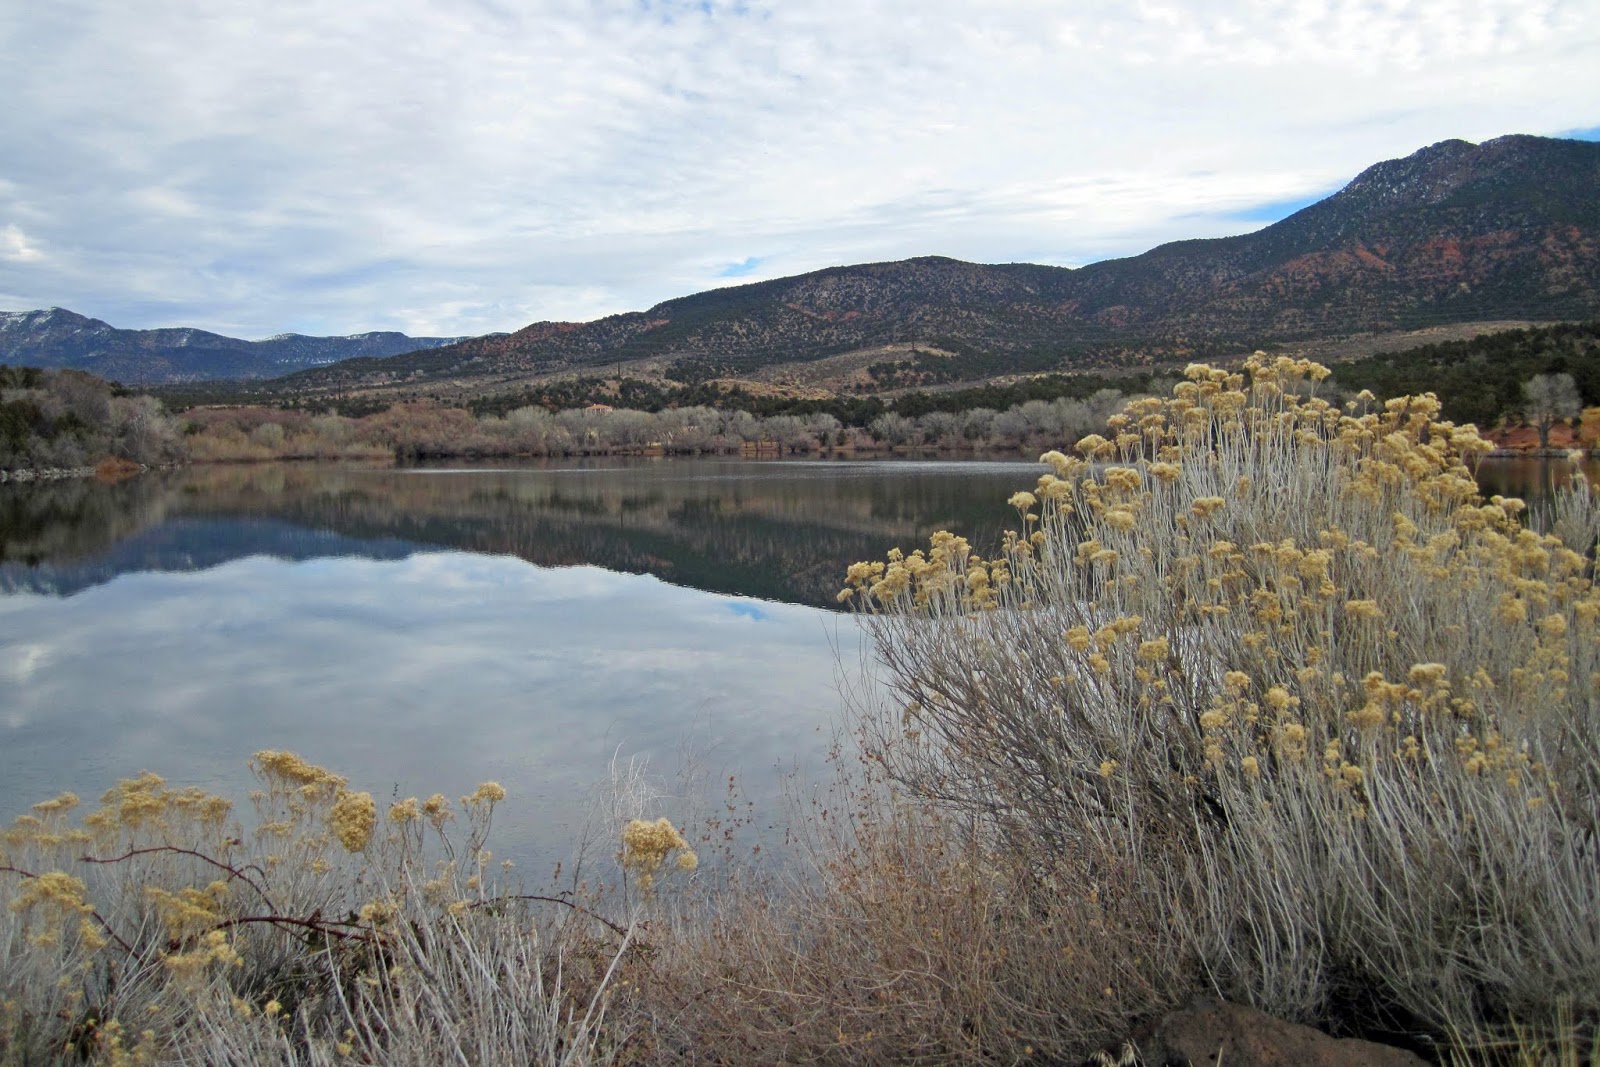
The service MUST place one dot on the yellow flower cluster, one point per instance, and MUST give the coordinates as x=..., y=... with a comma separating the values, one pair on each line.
x=144, y=803
x=486, y=793
x=947, y=573
x=646, y=846
x=61, y=899
x=352, y=819
x=436, y=809
x=189, y=911
x=288, y=767
x=213, y=947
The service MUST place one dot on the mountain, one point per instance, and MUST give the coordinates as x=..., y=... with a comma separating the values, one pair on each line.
x=1454, y=233
x=60, y=338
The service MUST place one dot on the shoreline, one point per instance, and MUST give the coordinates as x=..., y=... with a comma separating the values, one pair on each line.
x=1540, y=453
x=51, y=474
x=45, y=474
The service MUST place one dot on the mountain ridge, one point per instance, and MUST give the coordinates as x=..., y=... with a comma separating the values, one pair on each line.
x=57, y=338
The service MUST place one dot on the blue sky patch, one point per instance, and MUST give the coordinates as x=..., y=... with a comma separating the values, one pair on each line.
x=740, y=269
x=1275, y=210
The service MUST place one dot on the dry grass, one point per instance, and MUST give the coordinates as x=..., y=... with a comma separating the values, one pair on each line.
x=153, y=931
x=903, y=940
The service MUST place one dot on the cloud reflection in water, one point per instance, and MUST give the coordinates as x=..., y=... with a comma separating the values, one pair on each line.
x=431, y=672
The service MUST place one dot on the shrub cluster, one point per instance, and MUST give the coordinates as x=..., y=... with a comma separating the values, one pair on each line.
x=419, y=430
x=155, y=930
x=424, y=429
x=69, y=419
x=1273, y=668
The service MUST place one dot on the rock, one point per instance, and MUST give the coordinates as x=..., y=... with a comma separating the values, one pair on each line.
x=1211, y=1033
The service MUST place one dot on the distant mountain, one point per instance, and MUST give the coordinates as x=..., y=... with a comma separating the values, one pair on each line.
x=1455, y=233
x=60, y=338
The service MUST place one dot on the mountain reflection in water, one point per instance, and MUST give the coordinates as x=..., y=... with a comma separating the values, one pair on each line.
x=781, y=531
x=380, y=622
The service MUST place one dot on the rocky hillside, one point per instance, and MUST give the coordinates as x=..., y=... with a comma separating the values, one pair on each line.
x=1457, y=232
x=57, y=338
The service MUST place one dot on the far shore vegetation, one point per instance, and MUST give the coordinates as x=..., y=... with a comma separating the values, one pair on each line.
x=1529, y=388
x=1260, y=700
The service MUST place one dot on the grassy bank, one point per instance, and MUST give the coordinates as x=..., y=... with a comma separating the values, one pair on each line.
x=1260, y=700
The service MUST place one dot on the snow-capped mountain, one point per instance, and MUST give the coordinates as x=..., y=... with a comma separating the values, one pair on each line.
x=56, y=337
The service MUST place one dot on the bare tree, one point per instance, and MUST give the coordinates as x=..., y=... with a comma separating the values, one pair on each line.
x=742, y=425
x=942, y=428
x=976, y=423
x=789, y=431
x=895, y=429
x=1547, y=399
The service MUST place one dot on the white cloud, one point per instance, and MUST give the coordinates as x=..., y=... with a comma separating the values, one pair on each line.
x=463, y=168
x=15, y=246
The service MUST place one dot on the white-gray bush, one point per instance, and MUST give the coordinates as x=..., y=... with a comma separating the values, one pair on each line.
x=1274, y=668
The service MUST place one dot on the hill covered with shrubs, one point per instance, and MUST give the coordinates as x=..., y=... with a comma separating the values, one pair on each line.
x=1480, y=380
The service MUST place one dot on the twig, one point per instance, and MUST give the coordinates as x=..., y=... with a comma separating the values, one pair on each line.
x=579, y=908
x=235, y=871
x=307, y=924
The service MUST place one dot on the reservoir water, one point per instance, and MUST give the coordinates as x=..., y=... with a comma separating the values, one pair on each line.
x=424, y=629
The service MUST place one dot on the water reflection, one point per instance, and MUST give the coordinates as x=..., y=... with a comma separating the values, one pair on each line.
x=1532, y=479
x=423, y=630
x=431, y=672
x=783, y=531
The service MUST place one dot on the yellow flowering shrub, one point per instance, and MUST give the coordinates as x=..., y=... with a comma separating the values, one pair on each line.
x=646, y=846
x=155, y=914
x=1358, y=702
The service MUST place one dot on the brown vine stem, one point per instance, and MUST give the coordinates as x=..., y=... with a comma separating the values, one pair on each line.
x=579, y=908
x=234, y=871
x=306, y=924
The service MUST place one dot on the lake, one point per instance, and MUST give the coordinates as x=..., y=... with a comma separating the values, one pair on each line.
x=424, y=629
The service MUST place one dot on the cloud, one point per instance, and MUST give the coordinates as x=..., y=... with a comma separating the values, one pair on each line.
x=432, y=672
x=461, y=168
x=14, y=246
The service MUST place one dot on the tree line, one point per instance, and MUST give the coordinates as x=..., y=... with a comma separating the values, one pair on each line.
x=423, y=430
x=70, y=419
x=1481, y=380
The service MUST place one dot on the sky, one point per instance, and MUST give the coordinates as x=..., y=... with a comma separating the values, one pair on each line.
x=455, y=167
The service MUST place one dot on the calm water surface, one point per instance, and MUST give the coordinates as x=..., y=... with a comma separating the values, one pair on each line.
x=422, y=630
